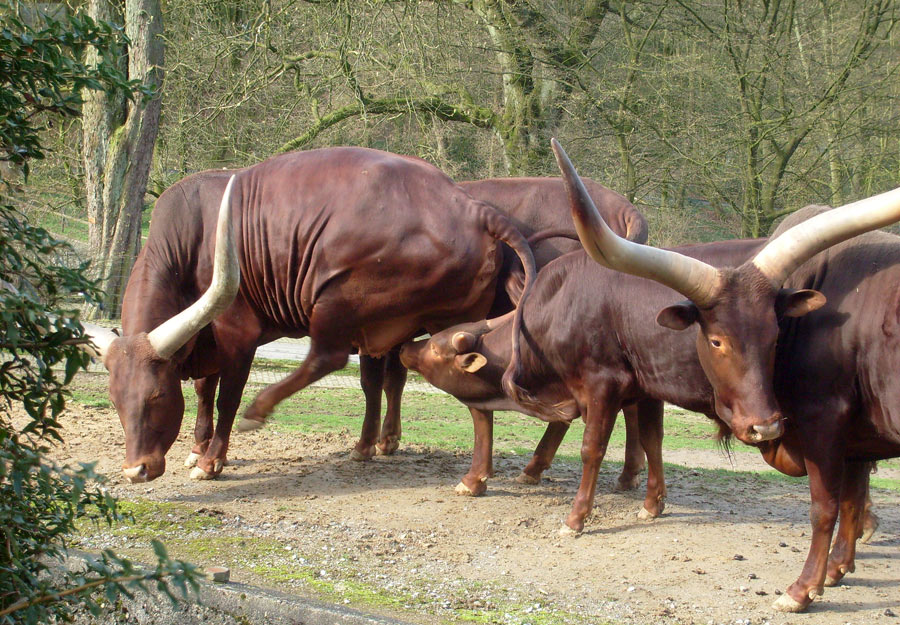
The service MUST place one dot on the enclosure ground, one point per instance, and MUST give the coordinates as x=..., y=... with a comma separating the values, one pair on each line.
x=293, y=512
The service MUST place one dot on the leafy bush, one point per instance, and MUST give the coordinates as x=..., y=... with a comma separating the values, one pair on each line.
x=41, y=76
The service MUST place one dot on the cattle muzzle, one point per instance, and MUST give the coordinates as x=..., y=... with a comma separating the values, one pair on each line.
x=410, y=353
x=767, y=431
x=146, y=470
x=136, y=475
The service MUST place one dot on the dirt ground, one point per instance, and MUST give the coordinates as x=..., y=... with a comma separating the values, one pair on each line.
x=720, y=554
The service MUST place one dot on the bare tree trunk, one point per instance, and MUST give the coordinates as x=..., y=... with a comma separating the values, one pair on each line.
x=118, y=142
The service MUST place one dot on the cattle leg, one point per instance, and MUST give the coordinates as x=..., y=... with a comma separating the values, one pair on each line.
x=650, y=430
x=599, y=421
x=474, y=483
x=231, y=387
x=203, y=428
x=321, y=360
x=825, y=480
x=371, y=378
x=630, y=478
x=394, y=381
x=544, y=453
x=853, y=506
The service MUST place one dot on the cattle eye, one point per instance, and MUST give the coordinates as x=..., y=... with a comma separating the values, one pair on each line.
x=715, y=343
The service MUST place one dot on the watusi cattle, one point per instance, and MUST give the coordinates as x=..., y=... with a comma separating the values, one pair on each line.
x=539, y=209
x=826, y=397
x=320, y=238
x=589, y=347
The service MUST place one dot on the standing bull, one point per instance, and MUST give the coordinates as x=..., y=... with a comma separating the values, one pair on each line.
x=825, y=402
x=321, y=238
x=590, y=346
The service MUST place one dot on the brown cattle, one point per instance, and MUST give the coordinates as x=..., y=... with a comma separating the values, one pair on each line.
x=590, y=348
x=812, y=366
x=590, y=345
x=320, y=238
x=536, y=206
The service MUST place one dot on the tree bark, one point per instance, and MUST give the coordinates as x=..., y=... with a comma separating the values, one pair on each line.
x=119, y=137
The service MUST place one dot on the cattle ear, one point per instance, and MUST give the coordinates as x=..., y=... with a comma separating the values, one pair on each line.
x=798, y=302
x=471, y=362
x=678, y=316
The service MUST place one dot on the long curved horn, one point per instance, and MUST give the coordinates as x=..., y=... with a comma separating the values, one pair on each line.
x=101, y=338
x=781, y=256
x=169, y=336
x=693, y=278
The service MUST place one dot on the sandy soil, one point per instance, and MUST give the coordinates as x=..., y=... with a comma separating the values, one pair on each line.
x=721, y=553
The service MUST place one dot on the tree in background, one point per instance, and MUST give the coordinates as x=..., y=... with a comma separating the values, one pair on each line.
x=782, y=69
x=119, y=134
x=645, y=96
x=41, y=79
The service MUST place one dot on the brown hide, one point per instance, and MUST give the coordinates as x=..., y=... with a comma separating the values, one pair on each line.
x=322, y=238
x=591, y=346
x=835, y=380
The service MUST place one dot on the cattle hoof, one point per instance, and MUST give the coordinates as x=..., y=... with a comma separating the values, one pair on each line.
x=831, y=582
x=565, y=530
x=524, y=478
x=248, y=425
x=191, y=460
x=359, y=456
x=871, y=524
x=199, y=474
x=387, y=448
x=646, y=515
x=786, y=603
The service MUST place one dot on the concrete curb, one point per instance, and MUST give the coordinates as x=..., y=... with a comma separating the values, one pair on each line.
x=258, y=605
x=229, y=603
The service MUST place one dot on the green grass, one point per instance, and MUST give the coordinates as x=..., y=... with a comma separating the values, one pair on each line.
x=440, y=421
x=199, y=538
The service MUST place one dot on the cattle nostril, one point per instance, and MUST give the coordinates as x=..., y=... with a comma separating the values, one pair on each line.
x=137, y=474
x=768, y=432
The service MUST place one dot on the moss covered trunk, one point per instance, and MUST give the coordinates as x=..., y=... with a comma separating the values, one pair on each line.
x=119, y=136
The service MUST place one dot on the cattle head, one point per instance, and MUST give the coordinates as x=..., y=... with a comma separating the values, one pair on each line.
x=456, y=361
x=736, y=309
x=144, y=383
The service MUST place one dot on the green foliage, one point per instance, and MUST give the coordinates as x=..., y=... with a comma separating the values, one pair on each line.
x=40, y=338
x=42, y=74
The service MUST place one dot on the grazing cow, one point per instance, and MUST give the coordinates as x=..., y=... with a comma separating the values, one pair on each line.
x=538, y=207
x=826, y=398
x=321, y=238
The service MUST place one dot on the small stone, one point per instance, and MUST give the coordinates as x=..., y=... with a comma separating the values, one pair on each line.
x=738, y=556
x=889, y=612
x=219, y=574
x=751, y=576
